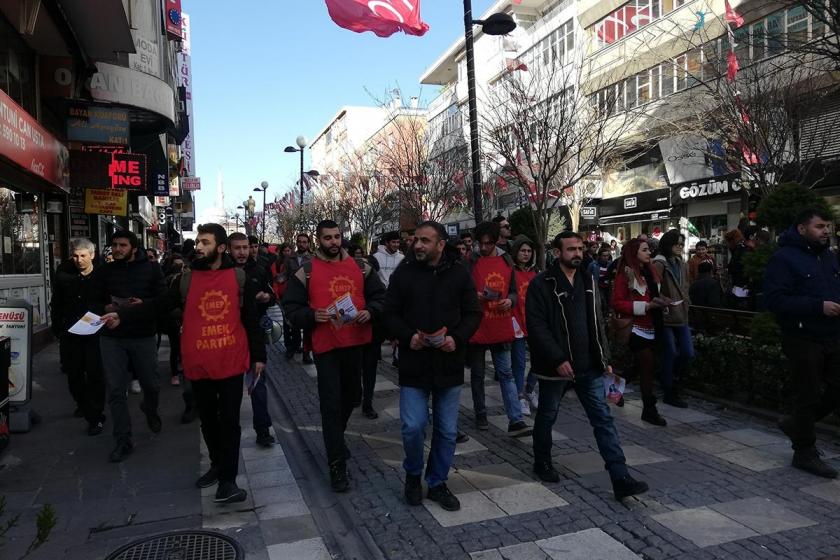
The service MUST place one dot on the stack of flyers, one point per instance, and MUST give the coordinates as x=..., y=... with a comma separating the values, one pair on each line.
x=343, y=310
x=491, y=294
x=435, y=339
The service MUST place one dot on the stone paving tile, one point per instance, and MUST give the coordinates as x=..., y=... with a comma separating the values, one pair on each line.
x=710, y=443
x=383, y=384
x=592, y=462
x=470, y=446
x=754, y=459
x=524, y=551
x=828, y=491
x=289, y=529
x=762, y=515
x=704, y=526
x=683, y=415
x=752, y=438
x=524, y=498
x=589, y=544
x=308, y=549
x=494, y=476
x=383, y=439
x=492, y=554
x=475, y=507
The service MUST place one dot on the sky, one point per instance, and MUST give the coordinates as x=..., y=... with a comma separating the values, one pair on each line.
x=267, y=71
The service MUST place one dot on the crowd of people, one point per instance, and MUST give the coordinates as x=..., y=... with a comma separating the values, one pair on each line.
x=442, y=304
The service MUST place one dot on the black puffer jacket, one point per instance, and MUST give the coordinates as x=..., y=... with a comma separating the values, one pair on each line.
x=424, y=298
x=72, y=296
x=139, y=278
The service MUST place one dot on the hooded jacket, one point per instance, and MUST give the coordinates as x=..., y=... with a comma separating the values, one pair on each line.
x=387, y=263
x=72, y=295
x=798, y=279
x=425, y=298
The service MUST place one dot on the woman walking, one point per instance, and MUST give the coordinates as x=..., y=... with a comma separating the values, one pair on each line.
x=524, y=258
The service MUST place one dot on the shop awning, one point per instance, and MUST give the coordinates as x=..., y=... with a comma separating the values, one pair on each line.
x=635, y=217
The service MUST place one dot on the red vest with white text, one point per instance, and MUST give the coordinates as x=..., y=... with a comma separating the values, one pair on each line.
x=523, y=278
x=496, y=326
x=214, y=344
x=329, y=281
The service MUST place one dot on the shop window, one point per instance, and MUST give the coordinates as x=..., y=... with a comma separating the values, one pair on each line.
x=20, y=234
x=797, y=26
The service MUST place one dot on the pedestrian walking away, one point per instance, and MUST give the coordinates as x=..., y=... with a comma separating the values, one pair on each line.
x=432, y=308
x=336, y=296
x=219, y=345
x=80, y=356
x=802, y=288
x=126, y=283
x=569, y=349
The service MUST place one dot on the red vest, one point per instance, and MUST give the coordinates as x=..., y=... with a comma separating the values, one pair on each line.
x=496, y=326
x=328, y=282
x=213, y=343
x=523, y=278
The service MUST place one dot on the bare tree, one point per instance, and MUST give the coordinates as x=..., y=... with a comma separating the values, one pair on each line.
x=824, y=39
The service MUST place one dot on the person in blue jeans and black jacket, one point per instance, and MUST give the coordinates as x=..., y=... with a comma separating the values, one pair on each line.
x=432, y=308
x=569, y=349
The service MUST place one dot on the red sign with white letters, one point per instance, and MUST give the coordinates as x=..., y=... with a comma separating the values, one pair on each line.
x=128, y=171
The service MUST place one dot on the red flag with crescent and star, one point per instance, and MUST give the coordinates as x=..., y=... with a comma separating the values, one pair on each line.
x=382, y=17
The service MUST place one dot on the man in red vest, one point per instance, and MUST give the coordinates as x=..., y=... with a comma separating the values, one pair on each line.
x=335, y=296
x=492, y=273
x=221, y=341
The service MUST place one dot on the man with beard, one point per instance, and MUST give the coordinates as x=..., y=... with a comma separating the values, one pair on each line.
x=218, y=346
x=125, y=284
x=801, y=287
x=336, y=296
x=434, y=340
x=296, y=260
x=569, y=349
x=257, y=289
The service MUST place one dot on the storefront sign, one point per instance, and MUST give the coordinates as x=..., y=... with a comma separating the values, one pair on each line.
x=589, y=212
x=16, y=323
x=630, y=202
x=162, y=218
x=161, y=201
x=89, y=123
x=116, y=84
x=172, y=15
x=110, y=202
x=174, y=187
x=24, y=141
x=185, y=81
x=652, y=201
x=147, y=59
x=145, y=210
x=191, y=183
x=128, y=171
x=704, y=191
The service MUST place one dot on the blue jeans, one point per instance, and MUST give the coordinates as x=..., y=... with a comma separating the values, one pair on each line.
x=501, y=361
x=518, y=354
x=678, y=351
x=590, y=391
x=414, y=414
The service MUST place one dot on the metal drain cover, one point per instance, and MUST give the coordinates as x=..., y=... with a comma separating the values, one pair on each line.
x=181, y=545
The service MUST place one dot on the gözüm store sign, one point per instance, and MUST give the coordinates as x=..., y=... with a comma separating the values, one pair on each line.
x=704, y=191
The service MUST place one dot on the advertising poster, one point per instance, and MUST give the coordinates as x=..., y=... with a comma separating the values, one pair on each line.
x=110, y=202
x=16, y=324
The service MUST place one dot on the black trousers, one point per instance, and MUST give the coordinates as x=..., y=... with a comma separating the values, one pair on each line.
x=291, y=337
x=218, y=402
x=339, y=390
x=816, y=385
x=371, y=354
x=82, y=362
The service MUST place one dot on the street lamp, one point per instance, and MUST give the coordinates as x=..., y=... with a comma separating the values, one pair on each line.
x=496, y=24
x=262, y=188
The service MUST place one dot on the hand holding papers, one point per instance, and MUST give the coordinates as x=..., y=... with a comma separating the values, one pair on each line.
x=89, y=324
x=435, y=339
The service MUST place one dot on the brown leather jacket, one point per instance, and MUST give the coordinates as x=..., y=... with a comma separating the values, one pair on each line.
x=674, y=288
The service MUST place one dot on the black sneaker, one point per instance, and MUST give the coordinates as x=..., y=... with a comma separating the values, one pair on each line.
x=481, y=422
x=674, y=399
x=546, y=472
x=339, y=481
x=96, y=428
x=651, y=415
x=461, y=437
x=121, y=451
x=229, y=492
x=809, y=460
x=208, y=479
x=370, y=413
x=307, y=358
x=265, y=439
x=413, y=490
x=189, y=415
x=153, y=420
x=519, y=429
x=443, y=496
x=628, y=486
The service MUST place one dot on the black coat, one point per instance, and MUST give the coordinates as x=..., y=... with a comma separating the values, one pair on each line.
x=706, y=292
x=546, y=312
x=72, y=296
x=423, y=298
x=139, y=278
x=259, y=280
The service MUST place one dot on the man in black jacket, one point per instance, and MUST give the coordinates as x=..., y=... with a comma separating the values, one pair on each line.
x=802, y=288
x=126, y=282
x=80, y=357
x=291, y=333
x=569, y=349
x=432, y=309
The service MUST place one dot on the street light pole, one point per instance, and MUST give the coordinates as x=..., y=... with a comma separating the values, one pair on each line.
x=473, y=107
x=263, y=187
x=301, y=184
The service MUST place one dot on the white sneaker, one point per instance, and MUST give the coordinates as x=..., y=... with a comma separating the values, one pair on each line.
x=526, y=410
x=135, y=387
x=533, y=399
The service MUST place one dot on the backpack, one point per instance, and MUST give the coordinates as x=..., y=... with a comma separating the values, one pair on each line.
x=186, y=277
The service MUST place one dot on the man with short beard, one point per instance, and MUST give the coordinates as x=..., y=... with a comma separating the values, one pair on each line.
x=317, y=298
x=221, y=340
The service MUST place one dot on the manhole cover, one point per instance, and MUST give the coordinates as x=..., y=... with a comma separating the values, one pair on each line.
x=181, y=545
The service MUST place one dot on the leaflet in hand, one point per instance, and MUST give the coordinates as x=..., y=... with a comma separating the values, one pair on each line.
x=491, y=294
x=614, y=386
x=89, y=324
x=343, y=310
x=435, y=339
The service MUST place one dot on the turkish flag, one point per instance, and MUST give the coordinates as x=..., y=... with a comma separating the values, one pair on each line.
x=382, y=17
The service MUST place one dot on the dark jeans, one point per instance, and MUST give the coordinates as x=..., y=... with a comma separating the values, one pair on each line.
x=82, y=362
x=414, y=414
x=371, y=354
x=259, y=405
x=339, y=390
x=218, y=402
x=590, y=391
x=291, y=337
x=815, y=364
x=500, y=354
x=678, y=351
x=117, y=355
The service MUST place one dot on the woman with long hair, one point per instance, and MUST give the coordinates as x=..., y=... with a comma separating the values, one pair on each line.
x=636, y=295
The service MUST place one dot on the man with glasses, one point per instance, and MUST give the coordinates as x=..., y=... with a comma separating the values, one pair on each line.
x=504, y=233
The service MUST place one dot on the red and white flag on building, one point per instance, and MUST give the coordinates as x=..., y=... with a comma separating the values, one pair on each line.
x=382, y=17
x=733, y=17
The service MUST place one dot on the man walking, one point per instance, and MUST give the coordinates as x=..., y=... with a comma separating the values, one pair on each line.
x=302, y=254
x=336, y=296
x=802, y=289
x=493, y=275
x=221, y=341
x=569, y=349
x=126, y=283
x=259, y=291
x=80, y=357
x=431, y=307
